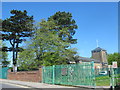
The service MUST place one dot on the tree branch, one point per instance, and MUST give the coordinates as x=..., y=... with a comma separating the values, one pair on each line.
x=11, y=42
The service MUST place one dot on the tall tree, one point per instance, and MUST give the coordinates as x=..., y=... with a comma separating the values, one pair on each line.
x=15, y=29
x=51, y=48
x=46, y=48
x=114, y=57
x=65, y=26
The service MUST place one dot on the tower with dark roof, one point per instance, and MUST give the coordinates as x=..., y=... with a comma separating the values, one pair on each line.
x=100, y=54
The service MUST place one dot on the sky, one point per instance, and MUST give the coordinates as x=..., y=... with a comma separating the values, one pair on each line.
x=95, y=20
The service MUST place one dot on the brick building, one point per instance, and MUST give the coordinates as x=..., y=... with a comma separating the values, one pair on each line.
x=99, y=56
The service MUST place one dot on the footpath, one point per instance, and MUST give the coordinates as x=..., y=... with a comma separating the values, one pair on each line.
x=43, y=85
x=33, y=84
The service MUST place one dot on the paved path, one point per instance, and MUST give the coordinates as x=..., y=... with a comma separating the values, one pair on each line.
x=8, y=85
x=33, y=84
x=43, y=86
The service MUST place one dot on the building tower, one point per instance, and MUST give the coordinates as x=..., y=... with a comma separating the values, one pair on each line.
x=100, y=54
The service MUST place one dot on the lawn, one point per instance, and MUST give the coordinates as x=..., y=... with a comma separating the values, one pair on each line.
x=105, y=80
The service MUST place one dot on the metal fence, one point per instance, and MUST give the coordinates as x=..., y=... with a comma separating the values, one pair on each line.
x=117, y=76
x=3, y=72
x=82, y=74
x=72, y=74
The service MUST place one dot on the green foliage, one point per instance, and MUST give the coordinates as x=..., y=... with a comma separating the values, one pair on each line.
x=50, y=44
x=5, y=63
x=14, y=29
x=26, y=60
x=65, y=26
x=46, y=48
x=4, y=56
x=114, y=57
x=18, y=24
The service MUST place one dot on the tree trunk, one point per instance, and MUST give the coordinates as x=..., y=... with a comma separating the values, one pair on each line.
x=14, y=58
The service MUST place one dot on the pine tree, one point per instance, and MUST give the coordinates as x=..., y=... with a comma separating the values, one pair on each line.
x=15, y=29
x=65, y=26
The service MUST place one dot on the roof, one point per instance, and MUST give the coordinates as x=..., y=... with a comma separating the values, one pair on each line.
x=84, y=59
x=98, y=49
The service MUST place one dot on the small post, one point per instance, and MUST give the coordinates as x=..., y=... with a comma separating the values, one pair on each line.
x=1, y=72
x=53, y=74
x=116, y=76
x=110, y=75
x=42, y=74
x=93, y=74
x=114, y=66
x=113, y=79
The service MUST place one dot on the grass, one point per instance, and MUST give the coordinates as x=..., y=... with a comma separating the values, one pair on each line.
x=105, y=80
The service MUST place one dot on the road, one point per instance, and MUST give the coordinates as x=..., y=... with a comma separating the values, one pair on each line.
x=8, y=86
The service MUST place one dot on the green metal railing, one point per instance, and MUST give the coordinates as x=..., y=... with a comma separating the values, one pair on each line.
x=117, y=76
x=3, y=72
x=82, y=74
x=71, y=74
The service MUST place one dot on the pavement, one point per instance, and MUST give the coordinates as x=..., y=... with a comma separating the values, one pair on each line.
x=9, y=85
x=33, y=84
x=43, y=85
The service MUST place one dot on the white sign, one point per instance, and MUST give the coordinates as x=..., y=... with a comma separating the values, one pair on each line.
x=114, y=64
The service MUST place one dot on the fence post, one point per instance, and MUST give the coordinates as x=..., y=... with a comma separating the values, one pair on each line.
x=113, y=79
x=42, y=74
x=53, y=74
x=110, y=75
x=93, y=74
x=116, y=76
x=0, y=71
